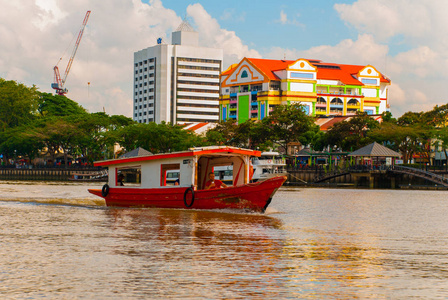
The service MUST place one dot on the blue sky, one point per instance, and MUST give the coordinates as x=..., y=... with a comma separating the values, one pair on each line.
x=259, y=25
x=404, y=39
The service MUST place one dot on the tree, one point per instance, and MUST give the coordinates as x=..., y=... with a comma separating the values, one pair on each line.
x=17, y=141
x=351, y=135
x=156, y=138
x=223, y=133
x=288, y=123
x=18, y=105
x=56, y=105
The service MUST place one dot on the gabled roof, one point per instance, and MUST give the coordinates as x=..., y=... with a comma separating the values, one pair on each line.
x=199, y=128
x=136, y=152
x=326, y=123
x=375, y=150
x=343, y=73
x=327, y=71
x=268, y=66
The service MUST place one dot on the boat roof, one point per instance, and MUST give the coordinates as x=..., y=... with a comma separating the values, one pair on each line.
x=270, y=153
x=211, y=150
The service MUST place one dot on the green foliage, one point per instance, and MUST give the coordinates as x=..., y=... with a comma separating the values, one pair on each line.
x=351, y=135
x=56, y=105
x=18, y=104
x=289, y=123
x=156, y=138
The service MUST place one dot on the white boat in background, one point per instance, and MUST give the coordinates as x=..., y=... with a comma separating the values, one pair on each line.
x=269, y=164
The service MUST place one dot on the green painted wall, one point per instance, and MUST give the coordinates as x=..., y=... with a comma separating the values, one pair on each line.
x=243, y=108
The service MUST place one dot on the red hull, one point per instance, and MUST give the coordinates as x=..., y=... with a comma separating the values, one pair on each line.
x=252, y=196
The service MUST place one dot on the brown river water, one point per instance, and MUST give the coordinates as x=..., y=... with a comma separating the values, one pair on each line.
x=59, y=242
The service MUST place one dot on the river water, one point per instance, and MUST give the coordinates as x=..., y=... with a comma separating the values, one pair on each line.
x=59, y=242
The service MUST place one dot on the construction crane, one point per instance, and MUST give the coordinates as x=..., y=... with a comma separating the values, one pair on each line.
x=58, y=83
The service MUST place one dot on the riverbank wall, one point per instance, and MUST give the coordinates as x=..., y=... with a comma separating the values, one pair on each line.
x=46, y=174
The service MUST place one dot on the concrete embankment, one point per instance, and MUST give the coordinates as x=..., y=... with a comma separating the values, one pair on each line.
x=41, y=174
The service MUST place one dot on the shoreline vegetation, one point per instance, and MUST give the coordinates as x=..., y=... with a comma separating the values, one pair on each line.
x=296, y=178
x=42, y=129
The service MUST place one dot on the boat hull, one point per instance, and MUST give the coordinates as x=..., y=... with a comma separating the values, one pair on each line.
x=253, y=196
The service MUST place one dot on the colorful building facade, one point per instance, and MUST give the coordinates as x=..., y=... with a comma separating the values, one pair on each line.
x=251, y=89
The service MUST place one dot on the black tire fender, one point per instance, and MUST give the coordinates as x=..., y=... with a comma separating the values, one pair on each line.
x=105, y=190
x=192, y=197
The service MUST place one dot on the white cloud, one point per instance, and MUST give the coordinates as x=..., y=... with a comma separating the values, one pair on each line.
x=419, y=26
x=35, y=33
x=283, y=17
x=284, y=20
x=385, y=19
x=230, y=14
x=212, y=35
x=362, y=51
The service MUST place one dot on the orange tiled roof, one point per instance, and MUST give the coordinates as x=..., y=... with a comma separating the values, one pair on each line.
x=268, y=66
x=330, y=71
x=331, y=121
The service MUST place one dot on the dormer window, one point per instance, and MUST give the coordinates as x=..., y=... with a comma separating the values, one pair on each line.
x=369, y=81
x=302, y=75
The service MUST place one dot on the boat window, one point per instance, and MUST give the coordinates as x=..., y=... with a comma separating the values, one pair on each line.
x=129, y=176
x=172, y=177
x=224, y=173
x=170, y=174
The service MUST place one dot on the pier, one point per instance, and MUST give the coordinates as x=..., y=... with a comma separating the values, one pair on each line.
x=370, y=177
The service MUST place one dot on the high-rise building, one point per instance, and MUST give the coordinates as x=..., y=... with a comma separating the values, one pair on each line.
x=177, y=83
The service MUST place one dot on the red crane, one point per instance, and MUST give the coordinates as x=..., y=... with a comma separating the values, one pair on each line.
x=58, y=83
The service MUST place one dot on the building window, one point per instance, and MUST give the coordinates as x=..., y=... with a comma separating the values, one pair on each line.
x=244, y=74
x=302, y=75
x=274, y=86
x=336, y=101
x=369, y=81
x=353, y=102
x=321, y=100
x=256, y=87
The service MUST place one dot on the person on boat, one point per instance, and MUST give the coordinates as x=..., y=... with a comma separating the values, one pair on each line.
x=213, y=183
x=120, y=179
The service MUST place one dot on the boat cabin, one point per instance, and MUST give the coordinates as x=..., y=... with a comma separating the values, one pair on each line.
x=183, y=169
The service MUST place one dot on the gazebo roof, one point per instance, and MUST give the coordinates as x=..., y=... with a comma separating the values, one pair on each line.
x=375, y=150
x=136, y=152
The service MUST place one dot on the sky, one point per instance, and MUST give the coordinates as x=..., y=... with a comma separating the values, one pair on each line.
x=406, y=40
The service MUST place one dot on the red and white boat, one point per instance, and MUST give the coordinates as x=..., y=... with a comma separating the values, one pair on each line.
x=145, y=180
